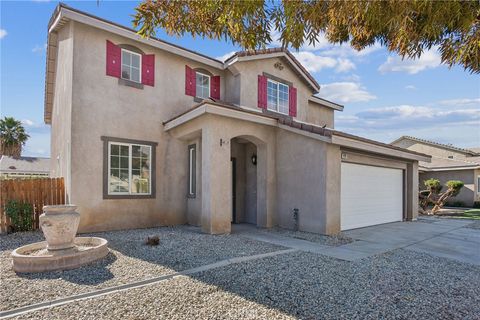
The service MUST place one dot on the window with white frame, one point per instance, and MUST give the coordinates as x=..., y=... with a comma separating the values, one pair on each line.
x=131, y=63
x=192, y=155
x=129, y=169
x=203, y=85
x=277, y=96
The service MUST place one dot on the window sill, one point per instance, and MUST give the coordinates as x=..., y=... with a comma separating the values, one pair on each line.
x=129, y=83
x=191, y=196
x=276, y=114
x=128, y=196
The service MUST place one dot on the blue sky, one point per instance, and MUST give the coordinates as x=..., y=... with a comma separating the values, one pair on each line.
x=384, y=97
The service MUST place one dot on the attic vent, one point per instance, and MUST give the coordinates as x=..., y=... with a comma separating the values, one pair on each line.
x=12, y=167
x=450, y=157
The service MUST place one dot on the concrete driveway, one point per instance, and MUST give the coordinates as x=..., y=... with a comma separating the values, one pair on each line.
x=447, y=238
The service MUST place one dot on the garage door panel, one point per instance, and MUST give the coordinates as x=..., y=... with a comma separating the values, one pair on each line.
x=370, y=195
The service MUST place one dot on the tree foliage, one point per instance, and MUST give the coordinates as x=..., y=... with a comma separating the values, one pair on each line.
x=12, y=137
x=406, y=27
x=433, y=194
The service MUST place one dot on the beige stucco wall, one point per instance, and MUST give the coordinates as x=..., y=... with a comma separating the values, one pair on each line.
x=466, y=195
x=429, y=149
x=62, y=107
x=320, y=115
x=308, y=178
x=248, y=74
x=102, y=107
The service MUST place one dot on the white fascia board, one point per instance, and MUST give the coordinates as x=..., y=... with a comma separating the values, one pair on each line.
x=66, y=13
x=362, y=145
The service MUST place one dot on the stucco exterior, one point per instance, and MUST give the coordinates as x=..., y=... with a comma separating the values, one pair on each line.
x=468, y=193
x=297, y=166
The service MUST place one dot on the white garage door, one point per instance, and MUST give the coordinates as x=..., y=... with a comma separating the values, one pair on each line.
x=370, y=195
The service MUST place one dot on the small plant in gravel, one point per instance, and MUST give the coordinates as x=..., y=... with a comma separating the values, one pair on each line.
x=152, y=241
x=20, y=214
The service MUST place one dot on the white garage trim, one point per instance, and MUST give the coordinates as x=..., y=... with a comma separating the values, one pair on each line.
x=370, y=195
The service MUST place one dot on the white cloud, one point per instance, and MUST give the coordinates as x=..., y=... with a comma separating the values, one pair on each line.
x=463, y=103
x=428, y=59
x=408, y=117
x=38, y=48
x=225, y=56
x=313, y=62
x=345, y=92
x=344, y=65
x=3, y=33
x=410, y=87
x=28, y=122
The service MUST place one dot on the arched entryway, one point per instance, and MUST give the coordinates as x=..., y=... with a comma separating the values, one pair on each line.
x=248, y=179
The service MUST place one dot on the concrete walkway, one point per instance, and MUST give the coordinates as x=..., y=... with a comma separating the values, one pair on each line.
x=445, y=238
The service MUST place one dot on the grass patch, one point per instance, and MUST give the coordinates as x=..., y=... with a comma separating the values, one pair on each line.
x=472, y=214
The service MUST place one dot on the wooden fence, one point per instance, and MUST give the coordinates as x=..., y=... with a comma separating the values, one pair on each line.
x=38, y=192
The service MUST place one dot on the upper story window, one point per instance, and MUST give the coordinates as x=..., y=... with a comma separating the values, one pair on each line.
x=131, y=62
x=129, y=171
x=202, y=85
x=277, y=96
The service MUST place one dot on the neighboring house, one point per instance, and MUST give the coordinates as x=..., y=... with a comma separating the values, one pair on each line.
x=448, y=163
x=24, y=167
x=147, y=133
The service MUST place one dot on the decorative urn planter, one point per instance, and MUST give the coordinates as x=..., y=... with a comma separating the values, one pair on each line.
x=59, y=225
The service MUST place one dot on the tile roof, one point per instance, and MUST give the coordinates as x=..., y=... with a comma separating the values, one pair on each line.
x=442, y=145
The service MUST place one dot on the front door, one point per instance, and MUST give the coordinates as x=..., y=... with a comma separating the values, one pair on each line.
x=234, y=190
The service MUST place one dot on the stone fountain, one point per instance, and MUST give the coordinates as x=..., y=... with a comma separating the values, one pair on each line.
x=61, y=250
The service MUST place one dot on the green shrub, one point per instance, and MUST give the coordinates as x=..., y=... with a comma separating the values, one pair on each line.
x=433, y=184
x=20, y=214
x=476, y=204
x=455, y=185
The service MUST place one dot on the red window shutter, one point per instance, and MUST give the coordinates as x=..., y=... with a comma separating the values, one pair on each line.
x=262, y=92
x=114, y=60
x=215, y=87
x=190, y=85
x=148, y=69
x=292, y=103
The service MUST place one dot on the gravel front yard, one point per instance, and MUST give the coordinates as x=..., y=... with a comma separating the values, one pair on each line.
x=129, y=260
x=401, y=284
x=397, y=285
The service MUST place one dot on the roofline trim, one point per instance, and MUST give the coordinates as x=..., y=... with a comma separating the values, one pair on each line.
x=437, y=144
x=356, y=143
x=88, y=19
x=213, y=108
x=236, y=58
x=449, y=168
x=326, y=103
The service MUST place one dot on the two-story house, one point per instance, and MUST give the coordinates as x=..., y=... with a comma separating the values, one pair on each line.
x=448, y=163
x=147, y=133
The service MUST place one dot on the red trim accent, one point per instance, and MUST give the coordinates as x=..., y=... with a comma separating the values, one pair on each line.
x=148, y=69
x=262, y=92
x=114, y=60
x=292, y=103
x=190, y=82
x=215, y=87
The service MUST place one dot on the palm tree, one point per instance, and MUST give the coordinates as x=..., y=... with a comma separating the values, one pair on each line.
x=12, y=137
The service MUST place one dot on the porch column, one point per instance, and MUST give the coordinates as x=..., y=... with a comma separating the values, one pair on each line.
x=216, y=182
x=266, y=186
x=412, y=191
